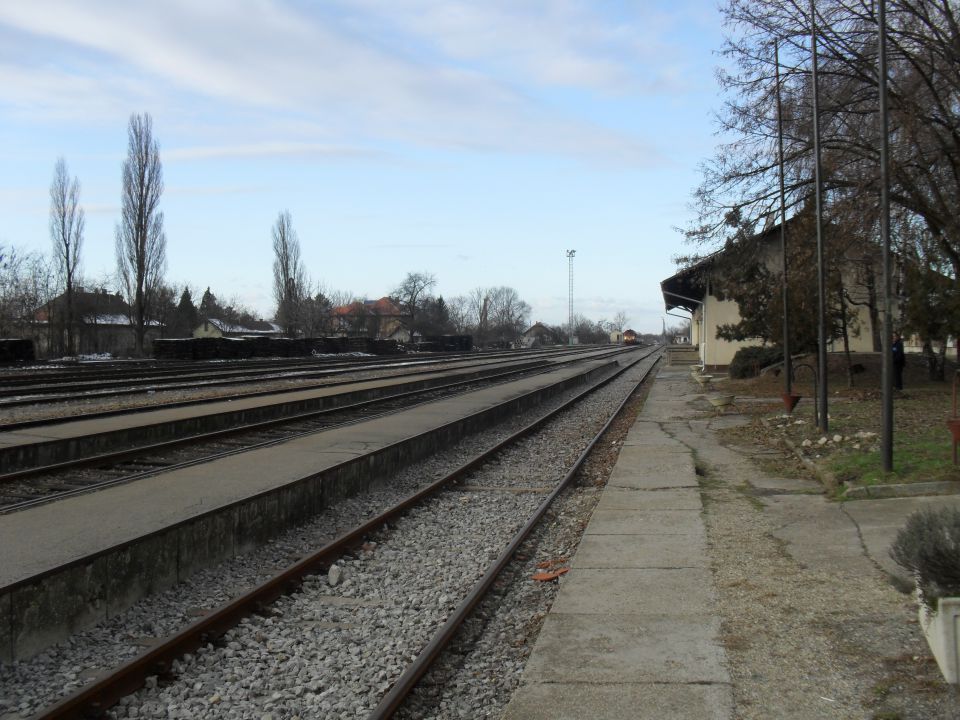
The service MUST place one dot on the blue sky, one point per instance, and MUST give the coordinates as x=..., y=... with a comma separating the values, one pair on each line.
x=474, y=140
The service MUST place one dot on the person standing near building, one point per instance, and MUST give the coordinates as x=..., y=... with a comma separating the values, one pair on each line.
x=899, y=360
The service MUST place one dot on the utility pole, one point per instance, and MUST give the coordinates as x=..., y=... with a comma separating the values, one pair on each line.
x=570, y=254
x=886, y=378
x=787, y=363
x=821, y=262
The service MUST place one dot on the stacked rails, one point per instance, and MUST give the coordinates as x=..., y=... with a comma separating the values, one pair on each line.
x=262, y=347
x=16, y=350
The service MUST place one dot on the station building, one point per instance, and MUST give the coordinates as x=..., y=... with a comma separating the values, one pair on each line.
x=693, y=290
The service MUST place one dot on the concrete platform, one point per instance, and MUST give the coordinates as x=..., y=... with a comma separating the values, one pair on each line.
x=632, y=632
x=42, y=445
x=70, y=563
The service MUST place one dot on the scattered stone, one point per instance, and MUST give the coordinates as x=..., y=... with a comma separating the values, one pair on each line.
x=334, y=575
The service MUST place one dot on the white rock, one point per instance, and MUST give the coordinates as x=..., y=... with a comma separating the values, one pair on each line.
x=838, y=438
x=807, y=443
x=334, y=575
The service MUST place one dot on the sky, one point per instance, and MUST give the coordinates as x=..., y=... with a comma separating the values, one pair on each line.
x=478, y=141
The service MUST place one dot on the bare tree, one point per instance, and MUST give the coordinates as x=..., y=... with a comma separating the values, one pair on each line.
x=289, y=278
x=619, y=321
x=508, y=313
x=459, y=310
x=25, y=282
x=66, y=232
x=924, y=79
x=478, y=303
x=141, y=243
x=413, y=291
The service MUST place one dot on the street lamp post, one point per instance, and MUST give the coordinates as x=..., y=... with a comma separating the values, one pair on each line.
x=570, y=254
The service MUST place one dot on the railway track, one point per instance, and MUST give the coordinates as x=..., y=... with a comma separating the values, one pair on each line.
x=24, y=489
x=56, y=387
x=309, y=604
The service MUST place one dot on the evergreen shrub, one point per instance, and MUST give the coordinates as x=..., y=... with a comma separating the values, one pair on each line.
x=749, y=361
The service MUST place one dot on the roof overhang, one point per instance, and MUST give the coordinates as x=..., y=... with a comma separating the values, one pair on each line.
x=685, y=290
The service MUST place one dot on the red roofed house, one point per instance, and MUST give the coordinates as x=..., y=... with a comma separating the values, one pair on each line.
x=378, y=319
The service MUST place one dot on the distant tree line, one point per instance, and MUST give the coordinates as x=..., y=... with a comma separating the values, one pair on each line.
x=50, y=298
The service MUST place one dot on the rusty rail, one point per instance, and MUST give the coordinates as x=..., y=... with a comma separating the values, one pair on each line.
x=94, y=699
x=421, y=664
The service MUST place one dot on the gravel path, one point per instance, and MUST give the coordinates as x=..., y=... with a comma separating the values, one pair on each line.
x=330, y=650
x=824, y=637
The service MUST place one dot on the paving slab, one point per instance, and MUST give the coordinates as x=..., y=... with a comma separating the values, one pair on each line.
x=646, y=522
x=617, y=701
x=659, y=469
x=618, y=648
x=680, y=592
x=641, y=551
x=787, y=485
x=621, y=498
x=647, y=434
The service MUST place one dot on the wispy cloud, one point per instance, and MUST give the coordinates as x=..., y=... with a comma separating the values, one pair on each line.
x=270, y=149
x=454, y=75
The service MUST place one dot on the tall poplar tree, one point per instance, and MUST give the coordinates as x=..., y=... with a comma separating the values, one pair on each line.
x=141, y=244
x=66, y=232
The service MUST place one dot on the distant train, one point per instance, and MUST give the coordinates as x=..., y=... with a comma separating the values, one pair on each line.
x=630, y=338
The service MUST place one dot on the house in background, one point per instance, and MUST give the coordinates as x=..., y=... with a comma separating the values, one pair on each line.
x=101, y=325
x=215, y=328
x=379, y=319
x=538, y=335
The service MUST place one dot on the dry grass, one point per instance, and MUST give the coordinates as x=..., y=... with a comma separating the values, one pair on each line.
x=851, y=448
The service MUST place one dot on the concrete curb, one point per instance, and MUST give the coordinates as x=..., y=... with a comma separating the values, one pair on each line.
x=868, y=492
x=826, y=478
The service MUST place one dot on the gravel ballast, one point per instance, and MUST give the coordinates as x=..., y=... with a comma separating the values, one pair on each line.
x=333, y=648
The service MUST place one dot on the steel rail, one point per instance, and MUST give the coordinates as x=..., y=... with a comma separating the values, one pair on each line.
x=94, y=699
x=421, y=664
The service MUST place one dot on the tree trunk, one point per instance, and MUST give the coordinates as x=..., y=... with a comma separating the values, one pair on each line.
x=846, y=340
x=934, y=369
x=876, y=329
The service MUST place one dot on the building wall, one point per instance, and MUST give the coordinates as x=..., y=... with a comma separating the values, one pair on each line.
x=207, y=330
x=713, y=313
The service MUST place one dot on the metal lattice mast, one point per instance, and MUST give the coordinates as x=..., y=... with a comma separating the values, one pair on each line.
x=570, y=254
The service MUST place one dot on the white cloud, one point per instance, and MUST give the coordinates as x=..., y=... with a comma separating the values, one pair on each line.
x=463, y=76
